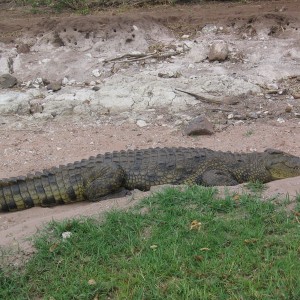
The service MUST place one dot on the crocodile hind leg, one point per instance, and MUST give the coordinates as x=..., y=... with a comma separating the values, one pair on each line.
x=218, y=178
x=103, y=179
x=212, y=173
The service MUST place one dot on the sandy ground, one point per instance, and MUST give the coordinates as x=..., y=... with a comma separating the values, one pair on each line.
x=38, y=145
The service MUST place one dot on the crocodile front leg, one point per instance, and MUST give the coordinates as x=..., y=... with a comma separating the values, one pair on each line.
x=104, y=179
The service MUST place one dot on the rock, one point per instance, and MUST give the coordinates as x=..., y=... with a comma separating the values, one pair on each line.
x=35, y=107
x=272, y=86
x=96, y=88
x=296, y=95
x=199, y=126
x=209, y=28
x=185, y=36
x=141, y=123
x=7, y=81
x=96, y=73
x=218, y=51
x=12, y=102
x=37, y=83
x=23, y=48
x=46, y=81
x=252, y=115
x=54, y=86
x=289, y=108
x=65, y=81
x=169, y=75
x=178, y=122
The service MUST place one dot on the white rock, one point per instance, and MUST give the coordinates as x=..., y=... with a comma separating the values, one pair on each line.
x=178, y=122
x=65, y=81
x=272, y=86
x=141, y=123
x=46, y=60
x=209, y=28
x=96, y=73
x=66, y=235
x=185, y=36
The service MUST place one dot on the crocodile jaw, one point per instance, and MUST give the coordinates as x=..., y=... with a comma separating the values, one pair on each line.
x=285, y=169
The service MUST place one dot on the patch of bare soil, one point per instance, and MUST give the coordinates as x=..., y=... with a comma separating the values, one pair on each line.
x=27, y=147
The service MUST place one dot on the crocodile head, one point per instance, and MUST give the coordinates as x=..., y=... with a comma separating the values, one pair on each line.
x=281, y=165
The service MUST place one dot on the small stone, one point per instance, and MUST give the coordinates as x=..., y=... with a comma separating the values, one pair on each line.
x=23, y=48
x=65, y=81
x=185, y=36
x=141, y=123
x=209, y=28
x=218, y=51
x=272, y=86
x=239, y=117
x=46, y=81
x=230, y=116
x=199, y=126
x=169, y=75
x=92, y=282
x=289, y=108
x=96, y=88
x=54, y=86
x=280, y=120
x=297, y=115
x=35, y=107
x=239, y=122
x=7, y=81
x=296, y=95
x=252, y=115
x=178, y=122
x=96, y=73
x=66, y=235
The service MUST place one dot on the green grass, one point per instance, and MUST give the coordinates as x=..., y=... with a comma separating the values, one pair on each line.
x=243, y=249
x=255, y=186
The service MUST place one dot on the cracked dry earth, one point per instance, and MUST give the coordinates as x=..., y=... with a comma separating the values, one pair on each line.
x=28, y=145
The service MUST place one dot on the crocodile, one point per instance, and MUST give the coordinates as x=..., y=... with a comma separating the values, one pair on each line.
x=104, y=174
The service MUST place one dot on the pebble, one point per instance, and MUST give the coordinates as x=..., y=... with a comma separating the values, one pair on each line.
x=65, y=81
x=96, y=88
x=289, y=108
x=141, y=123
x=252, y=115
x=96, y=73
x=54, y=86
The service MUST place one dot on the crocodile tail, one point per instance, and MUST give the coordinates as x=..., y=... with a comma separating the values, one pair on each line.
x=18, y=193
x=49, y=188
